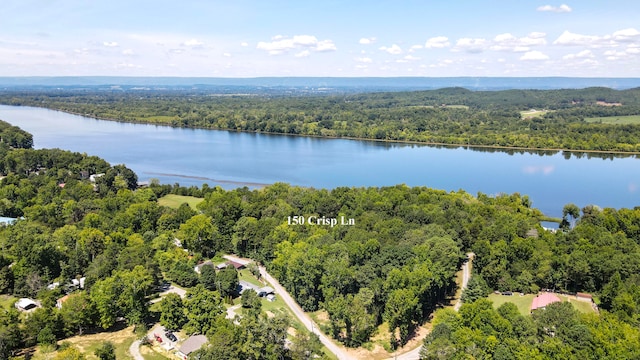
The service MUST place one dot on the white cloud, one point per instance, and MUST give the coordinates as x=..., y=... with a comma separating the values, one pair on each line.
x=128, y=52
x=630, y=34
x=281, y=44
x=415, y=47
x=534, y=55
x=564, y=8
x=393, y=50
x=193, y=43
x=469, y=45
x=437, y=42
x=367, y=41
x=326, y=45
x=570, y=39
x=226, y=55
x=411, y=58
x=364, y=60
x=508, y=42
x=110, y=43
x=582, y=54
x=244, y=44
x=303, y=53
x=633, y=50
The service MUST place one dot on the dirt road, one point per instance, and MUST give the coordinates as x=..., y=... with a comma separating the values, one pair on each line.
x=296, y=309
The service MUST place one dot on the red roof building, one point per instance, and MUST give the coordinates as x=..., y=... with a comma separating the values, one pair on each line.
x=542, y=300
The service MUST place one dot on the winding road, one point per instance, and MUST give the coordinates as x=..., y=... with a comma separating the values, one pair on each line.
x=466, y=275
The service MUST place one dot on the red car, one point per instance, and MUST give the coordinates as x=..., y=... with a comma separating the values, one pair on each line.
x=158, y=338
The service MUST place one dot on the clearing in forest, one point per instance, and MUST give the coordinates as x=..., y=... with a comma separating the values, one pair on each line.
x=618, y=120
x=174, y=201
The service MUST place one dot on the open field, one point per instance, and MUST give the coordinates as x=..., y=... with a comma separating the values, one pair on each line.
x=524, y=302
x=618, y=120
x=87, y=344
x=528, y=114
x=174, y=201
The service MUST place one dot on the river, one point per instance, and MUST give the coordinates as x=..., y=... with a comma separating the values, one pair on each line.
x=231, y=159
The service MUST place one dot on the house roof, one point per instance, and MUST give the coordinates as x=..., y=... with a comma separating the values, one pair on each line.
x=544, y=299
x=266, y=290
x=236, y=265
x=26, y=304
x=192, y=344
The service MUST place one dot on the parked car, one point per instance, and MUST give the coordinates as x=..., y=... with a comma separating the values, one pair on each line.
x=171, y=336
x=158, y=338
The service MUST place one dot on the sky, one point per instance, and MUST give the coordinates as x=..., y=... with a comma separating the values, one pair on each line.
x=256, y=38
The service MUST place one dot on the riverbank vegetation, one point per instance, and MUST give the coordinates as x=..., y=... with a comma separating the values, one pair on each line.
x=453, y=116
x=394, y=264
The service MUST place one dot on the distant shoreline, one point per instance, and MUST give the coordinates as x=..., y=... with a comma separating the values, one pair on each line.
x=407, y=142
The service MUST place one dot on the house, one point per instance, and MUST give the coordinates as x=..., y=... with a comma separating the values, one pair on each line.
x=190, y=345
x=584, y=297
x=25, y=304
x=271, y=297
x=7, y=220
x=236, y=265
x=543, y=300
x=198, y=268
x=244, y=285
x=264, y=291
x=93, y=177
x=221, y=266
x=61, y=301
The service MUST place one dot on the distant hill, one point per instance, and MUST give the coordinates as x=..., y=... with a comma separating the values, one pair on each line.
x=315, y=84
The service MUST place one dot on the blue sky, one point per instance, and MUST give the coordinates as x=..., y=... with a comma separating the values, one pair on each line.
x=251, y=38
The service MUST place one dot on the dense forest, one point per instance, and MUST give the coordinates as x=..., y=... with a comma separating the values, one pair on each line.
x=395, y=264
x=446, y=116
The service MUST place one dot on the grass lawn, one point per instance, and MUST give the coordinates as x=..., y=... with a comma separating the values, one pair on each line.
x=87, y=344
x=619, y=120
x=174, y=201
x=524, y=302
x=247, y=276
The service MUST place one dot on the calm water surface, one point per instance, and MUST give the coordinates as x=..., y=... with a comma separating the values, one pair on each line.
x=229, y=159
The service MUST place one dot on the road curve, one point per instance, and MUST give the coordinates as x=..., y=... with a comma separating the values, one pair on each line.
x=134, y=350
x=296, y=309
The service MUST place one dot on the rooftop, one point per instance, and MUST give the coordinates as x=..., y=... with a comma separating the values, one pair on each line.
x=544, y=299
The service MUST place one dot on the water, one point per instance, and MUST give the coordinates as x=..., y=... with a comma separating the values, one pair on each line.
x=230, y=159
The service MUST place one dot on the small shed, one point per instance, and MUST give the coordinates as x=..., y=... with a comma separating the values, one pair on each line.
x=190, y=345
x=26, y=304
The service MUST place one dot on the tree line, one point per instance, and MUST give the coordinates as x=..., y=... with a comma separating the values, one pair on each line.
x=445, y=116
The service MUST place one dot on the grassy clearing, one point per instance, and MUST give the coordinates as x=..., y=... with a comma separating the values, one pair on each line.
x=174, y=201
x=247, y=276
x=529, y=114
x=618, y=120
x=524, y=302
x=88, y=344
x=6, y=301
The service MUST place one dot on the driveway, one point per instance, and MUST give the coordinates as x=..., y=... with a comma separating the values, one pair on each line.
x=296, y=309
x=171, y=290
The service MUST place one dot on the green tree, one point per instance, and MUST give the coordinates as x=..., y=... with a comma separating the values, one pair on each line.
x=251, y=302
x=106, y=351
x=78, y=313
x=199, y=234
x=208, y=277
x=476, y=289
x=204, y=308
x=228, y=280
x=172, y=312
